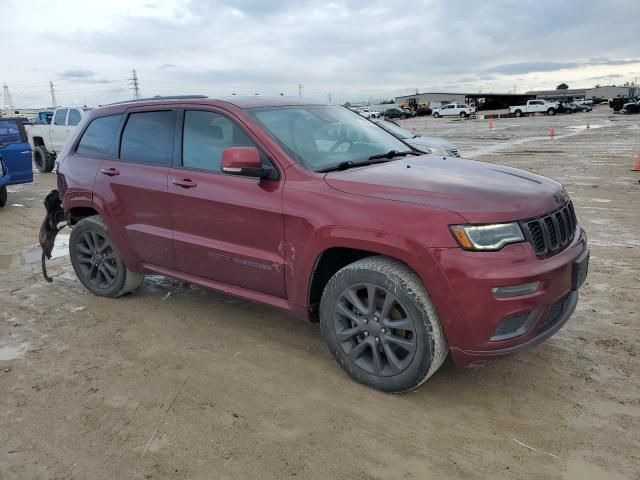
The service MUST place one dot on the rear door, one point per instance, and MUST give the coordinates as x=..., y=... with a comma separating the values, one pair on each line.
x=133, y=186
x=15, y=151
x=227, y=228
x=58, y=129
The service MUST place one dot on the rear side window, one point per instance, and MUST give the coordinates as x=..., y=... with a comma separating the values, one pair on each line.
x=74, y=117
x=100, y=137
x=60, y=116
x=148, y=137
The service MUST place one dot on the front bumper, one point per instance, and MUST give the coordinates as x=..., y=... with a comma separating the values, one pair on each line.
x=478, y=313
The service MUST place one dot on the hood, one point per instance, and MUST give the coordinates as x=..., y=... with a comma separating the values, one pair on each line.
x=480, y=192
x=429, y=142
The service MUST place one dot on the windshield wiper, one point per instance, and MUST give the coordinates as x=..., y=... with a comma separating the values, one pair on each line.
x=393, y=153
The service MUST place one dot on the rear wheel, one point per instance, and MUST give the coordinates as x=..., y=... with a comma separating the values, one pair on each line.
x=552, y=111
x=380, y=325
x=96, y=261
x=3, y=196
x=518, y=113
x=43, y=160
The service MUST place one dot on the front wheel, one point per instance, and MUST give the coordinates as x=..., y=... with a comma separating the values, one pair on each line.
x=381, y=326
x=3, y=196
x=96, y=261
x=436, y=115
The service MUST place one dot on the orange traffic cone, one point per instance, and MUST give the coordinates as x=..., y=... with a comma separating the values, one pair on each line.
x=636, y=168
x=490, y=123
x=552, y=133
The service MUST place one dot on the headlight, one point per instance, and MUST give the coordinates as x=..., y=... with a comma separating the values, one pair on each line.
x=438, y=151
x=487, y=237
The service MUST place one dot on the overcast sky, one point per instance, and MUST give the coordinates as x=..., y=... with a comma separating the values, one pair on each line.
x=352, y=50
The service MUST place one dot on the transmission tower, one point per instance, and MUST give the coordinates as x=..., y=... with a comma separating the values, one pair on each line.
x=133, y=84
x=8, y=101
x=52, y=92
x=300, y=89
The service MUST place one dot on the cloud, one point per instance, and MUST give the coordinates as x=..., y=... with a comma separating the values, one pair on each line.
x=351, y=48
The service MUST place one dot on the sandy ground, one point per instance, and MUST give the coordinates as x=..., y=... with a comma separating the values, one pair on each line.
x=230, y=389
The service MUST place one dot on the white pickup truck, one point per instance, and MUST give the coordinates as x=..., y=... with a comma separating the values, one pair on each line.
x=47, y=140
x=535, y=106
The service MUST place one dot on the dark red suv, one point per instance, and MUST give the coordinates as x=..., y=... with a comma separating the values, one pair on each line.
x=402, y=257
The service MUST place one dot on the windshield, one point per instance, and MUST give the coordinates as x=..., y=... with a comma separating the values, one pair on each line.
x=9, y=132
x=395, y=130
x=322, y=137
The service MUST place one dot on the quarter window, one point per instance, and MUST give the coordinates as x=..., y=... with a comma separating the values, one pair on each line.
x=60, y=116
x=100, y=137
x=148, y=137
x=74, y=117
x=206, y=135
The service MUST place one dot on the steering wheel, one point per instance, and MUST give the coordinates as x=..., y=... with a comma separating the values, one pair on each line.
x=335, y=146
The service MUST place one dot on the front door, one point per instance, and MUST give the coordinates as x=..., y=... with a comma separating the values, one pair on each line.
x=15, y=151
x=226, y=228
x=58, y=130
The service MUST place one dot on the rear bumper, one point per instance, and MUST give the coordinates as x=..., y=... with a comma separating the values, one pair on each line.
x=471, y=323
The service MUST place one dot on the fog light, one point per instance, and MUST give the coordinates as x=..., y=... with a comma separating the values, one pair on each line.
x=515, y=290
x=512, y=326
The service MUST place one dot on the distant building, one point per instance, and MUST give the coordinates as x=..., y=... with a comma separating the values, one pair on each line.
x=433, y=99
x=588, y=93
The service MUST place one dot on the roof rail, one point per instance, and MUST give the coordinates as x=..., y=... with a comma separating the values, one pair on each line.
x=158, y=97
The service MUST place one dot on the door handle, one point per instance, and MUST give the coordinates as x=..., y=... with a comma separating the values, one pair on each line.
x=112, y=172
x=185, y=183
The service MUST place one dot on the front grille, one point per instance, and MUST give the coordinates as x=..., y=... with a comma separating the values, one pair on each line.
x=551, y=233
x=553, y=314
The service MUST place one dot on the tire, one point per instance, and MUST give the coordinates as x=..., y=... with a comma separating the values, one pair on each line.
x=408, y=339
x=3, y=196
x=436, y=115
x=43, y=160
x=90, y=242
x=518, y=113
x=551, y=112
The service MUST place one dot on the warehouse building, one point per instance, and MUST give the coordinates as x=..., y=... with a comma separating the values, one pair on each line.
x=605, y=92
x=482, y=101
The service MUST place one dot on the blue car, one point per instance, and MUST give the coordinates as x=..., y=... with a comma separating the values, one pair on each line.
x=15, y=155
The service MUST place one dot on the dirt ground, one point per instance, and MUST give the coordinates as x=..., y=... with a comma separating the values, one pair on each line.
x=230, y=389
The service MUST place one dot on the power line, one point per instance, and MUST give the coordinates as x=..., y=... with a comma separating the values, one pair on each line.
x=8, y=101
x=133, y=84
x=52, y=92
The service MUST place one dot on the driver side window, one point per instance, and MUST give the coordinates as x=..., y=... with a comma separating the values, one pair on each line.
x=206, y=135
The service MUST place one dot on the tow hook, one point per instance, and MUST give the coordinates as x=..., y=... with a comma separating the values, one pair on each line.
x=53, y=222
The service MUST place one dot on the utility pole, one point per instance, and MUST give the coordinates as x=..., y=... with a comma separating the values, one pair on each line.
x=52, y=92
x=134, y=85
x=300, y=89
x=8, y=101
x=329, y=97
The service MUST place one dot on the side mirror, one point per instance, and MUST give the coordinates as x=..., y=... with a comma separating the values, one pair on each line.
x=244, y=161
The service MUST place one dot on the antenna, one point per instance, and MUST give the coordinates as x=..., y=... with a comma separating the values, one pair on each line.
x=134, y=85
x=8, y=101
x=52, y=92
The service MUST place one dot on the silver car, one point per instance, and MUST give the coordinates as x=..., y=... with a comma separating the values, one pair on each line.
x=434, y=145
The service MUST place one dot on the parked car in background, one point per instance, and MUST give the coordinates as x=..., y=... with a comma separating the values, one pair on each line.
x=15, y=155
x=47, y=140
x=395, y=112
x=403, y=258
x=619, y=102
x=631, y=107
x=534, y=106
x=368, y=113
x=433, y=145
x=568, y=107
x=580, y=102
x=453, y=110
x=423, y=111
